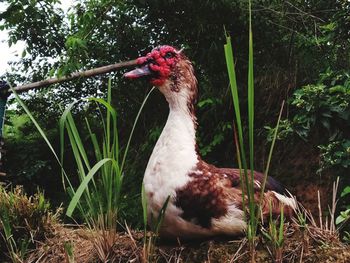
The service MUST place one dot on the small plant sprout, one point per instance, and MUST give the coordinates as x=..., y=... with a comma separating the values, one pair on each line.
x=275, y=235
x=68, y=252
x=301, y=221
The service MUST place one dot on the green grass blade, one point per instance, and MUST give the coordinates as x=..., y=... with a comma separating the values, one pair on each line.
x=161, y=215
x=107, y=105
x=233, y=83
x=62, y=125
x=251, y=117
x=67, y=118
x=73, y=203
x=94, y=141
x=110, y=176
x=81, y=169
x=110, y=112
x=95, y=144
x=78, y=140
x=76, y=154
x=42, y=133
x=239, y=161
x=108, y=151
x=251, y=95
x=270, y=157
x=108, y=118
x=281, y=229
x=235, y=98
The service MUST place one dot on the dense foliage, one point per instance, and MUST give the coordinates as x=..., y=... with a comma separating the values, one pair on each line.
x=323, y=110
x=294, y=43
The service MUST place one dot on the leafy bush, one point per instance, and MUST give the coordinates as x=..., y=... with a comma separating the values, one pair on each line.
x=335, y=154
x=322, y=115
x=323, y=106
x=284, y=131
x=27, y=157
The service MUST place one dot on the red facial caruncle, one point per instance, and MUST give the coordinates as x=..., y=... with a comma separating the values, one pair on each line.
x=157, y=64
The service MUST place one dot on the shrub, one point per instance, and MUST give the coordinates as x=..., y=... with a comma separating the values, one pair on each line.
x=324, y=106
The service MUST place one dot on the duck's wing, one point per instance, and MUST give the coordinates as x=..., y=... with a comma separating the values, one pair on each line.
x=275, y=194
x=213, y=191
x=271, y=183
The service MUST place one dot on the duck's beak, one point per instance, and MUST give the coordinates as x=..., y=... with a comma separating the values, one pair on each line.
x=138, y=72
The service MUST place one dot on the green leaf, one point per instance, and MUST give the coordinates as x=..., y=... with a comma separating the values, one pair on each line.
x=339, y=220
x=345, y=192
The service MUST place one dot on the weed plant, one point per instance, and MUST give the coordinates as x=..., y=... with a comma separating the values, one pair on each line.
x=275, y=235
x=247, y=169
x=101, y=175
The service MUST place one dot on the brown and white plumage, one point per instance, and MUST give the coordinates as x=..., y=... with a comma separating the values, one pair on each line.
x=204, y=200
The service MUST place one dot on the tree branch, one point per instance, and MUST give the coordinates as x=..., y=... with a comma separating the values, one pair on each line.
x=75, y=75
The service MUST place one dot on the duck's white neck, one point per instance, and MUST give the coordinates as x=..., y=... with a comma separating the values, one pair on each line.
x=174, y=155
x=180, y=128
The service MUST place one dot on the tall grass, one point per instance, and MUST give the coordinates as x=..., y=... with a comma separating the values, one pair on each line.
x=250, y=208
x=246, y=176
x=100, y=175
x=100, y=183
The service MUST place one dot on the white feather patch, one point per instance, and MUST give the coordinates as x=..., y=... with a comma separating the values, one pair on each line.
x=289, y=201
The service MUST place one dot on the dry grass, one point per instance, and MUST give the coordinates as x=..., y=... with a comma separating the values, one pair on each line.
x=128, y=248
x=53, y=248
x=23, y=221
x=315, y=239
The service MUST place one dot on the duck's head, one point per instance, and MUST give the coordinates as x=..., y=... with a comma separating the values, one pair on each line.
x=171, y=71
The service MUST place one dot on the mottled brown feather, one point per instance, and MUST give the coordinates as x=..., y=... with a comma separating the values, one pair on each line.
x=211, y=190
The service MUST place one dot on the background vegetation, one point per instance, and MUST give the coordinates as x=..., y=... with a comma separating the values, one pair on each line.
x=302, y=55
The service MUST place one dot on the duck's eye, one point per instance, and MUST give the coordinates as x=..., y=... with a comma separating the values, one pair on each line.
x=169, y=55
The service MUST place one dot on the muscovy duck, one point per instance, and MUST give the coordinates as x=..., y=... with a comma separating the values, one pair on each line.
x=204, y=200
